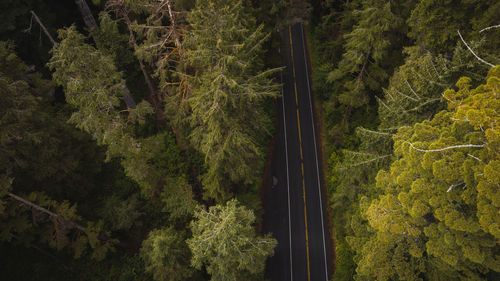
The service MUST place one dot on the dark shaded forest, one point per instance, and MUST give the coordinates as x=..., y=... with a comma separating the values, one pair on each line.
x=134, y=136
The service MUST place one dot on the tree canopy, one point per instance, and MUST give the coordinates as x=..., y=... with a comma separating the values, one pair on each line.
x=228, y=86
x=108, y=157
x=225, y=242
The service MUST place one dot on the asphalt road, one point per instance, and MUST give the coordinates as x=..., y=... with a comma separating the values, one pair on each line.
x=295, y=207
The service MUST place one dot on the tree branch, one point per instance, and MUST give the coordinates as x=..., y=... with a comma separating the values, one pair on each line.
x=411, y=89
x=474, y=157
x=371, y=160
x=446, y=148
x=480, y=59
x=488, y=28
x=172, y=20
x=43, y=28
x=122, y=11
x=44, y=210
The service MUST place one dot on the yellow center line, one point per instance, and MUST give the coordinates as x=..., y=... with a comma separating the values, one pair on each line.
x=305, y=219
x=296, y=96
x=291, y=50
x=301, y=155
x=300, y=138
x=298, y=125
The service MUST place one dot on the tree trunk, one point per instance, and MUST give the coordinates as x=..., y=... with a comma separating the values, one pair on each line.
x=60, y=218
x=43, y=28
x=88, y=18
x=174, y=27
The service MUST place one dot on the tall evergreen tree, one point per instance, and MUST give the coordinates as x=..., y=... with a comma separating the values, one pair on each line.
x=361, y=71
x=94, y=86
x=228, y=86
x=225, y=242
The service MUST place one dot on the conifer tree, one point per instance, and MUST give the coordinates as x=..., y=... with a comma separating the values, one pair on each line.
x=439, y=198
x=94, y=87
x=434, y=24
x=225, y=242
x=166, y=255
x=228, y=86
x=361, y=72
x=29, y=156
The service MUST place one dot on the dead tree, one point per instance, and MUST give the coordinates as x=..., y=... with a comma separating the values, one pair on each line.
x=56, y=217
x=88, y=18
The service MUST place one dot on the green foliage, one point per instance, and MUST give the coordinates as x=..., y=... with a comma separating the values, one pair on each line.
x=19, y=105
x=166, y=255
x=94, y=87
x=360, y=139
x=227, y=90
x=120, y=213
x=225, y=242
x=177, y=198
x=92, y=83
x=28, y=142
x=361, y=69
x=439, y=199
x=414, y=92
x=112, y=42
x=345, y=268
x=45, y=160
x=434, y=24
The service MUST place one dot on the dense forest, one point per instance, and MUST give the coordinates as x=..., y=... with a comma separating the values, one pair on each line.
x=134, y=136
x=410, y=97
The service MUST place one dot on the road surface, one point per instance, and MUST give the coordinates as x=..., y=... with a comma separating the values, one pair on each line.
x=295, y=206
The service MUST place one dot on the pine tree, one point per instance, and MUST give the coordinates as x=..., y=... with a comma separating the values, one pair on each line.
x=225, y=241
x=227, y=89
x=94, y=86
x=360, y=71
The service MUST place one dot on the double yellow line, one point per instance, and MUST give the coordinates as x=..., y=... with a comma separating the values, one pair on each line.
x=301, y=154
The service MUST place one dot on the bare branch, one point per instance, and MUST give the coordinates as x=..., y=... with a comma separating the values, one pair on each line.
x=463, y=120
x=373, y=132
x=446, y=148
x=411, y=89
x=446, y=98
x=480, y=59
x=172, y=20
x=406, y=96
x=455, y=185
x=382, y=102
x=371, y=160
x=44, y=210
x=44, y=29
x=489, y=27
x=470, y=155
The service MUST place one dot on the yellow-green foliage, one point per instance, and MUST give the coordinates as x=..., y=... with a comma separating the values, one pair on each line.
x=441, y=201
x=228, y=86
x=225, y=242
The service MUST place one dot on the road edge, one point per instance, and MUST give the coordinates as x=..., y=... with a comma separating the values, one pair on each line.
x=319, y=126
